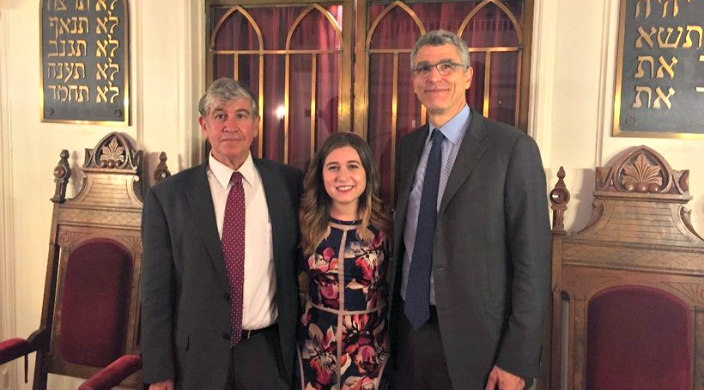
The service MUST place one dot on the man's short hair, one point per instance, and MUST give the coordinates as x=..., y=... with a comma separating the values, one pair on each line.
x=438, y=38
x=226, y=89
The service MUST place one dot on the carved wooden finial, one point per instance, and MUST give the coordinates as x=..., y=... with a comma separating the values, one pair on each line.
x=559, y=197
x=162, y=170
x=62, y=172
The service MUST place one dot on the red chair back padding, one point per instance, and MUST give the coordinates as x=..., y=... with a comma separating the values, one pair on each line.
x=94, y=305
x=638, y=338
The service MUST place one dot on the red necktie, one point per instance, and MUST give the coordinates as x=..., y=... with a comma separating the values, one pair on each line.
x=233, y=249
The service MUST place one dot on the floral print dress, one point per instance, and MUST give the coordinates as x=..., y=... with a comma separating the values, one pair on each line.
x=343, y=337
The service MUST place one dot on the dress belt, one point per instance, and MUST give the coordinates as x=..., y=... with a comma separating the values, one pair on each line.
x=249, y=333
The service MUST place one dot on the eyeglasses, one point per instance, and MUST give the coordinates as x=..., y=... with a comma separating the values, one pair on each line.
x=444, y=68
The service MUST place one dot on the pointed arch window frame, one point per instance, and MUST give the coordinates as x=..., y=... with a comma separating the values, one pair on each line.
x=346, y=46
x=353, y=100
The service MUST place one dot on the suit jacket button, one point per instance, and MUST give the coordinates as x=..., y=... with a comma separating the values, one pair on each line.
x=226, y=336
x=227, y=296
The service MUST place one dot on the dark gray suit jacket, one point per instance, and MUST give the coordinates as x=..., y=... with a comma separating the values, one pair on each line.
x=491, y=257
x=185, y=307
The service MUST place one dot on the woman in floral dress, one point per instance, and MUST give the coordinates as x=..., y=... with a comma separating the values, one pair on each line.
x=342, y=336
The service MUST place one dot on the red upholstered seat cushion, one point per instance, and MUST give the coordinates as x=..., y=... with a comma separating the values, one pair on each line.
x=638, y=338
x=94, y=304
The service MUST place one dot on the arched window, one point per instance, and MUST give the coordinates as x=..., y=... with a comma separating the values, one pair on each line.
x=319, y=67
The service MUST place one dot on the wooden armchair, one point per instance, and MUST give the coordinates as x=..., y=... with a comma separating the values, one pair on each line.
x=628, y=289
x=90, y=317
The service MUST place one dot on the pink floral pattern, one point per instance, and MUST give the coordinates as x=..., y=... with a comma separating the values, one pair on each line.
x=343, y=337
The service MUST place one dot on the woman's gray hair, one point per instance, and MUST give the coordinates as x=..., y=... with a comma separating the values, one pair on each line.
x=438, y=38
x=226, y=89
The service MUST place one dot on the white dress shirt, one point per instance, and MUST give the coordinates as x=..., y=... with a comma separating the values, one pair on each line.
x=258, y=307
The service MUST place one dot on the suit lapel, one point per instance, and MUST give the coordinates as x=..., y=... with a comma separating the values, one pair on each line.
x=276, y=204
x=469, y=154
x=201, y=202
x=413, y=148
x=407, y=172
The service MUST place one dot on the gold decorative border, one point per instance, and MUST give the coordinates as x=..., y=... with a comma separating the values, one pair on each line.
x=616, y=130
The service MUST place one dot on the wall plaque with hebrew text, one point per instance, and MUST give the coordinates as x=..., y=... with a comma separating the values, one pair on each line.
x=85, y=57
x=660, y=75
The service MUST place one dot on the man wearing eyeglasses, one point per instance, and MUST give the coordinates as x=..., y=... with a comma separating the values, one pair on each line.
x=471, y=271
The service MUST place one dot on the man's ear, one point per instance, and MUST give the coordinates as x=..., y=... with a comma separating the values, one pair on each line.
x=257, y=123
x=203, y=128
x=468, y=77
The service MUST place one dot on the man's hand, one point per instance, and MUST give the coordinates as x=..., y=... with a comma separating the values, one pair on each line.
x=163, y=385
x=503, y=380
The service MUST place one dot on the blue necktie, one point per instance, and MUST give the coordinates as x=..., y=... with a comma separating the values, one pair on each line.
x=417, y=305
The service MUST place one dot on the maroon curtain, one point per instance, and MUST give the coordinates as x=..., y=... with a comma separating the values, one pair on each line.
x=314, y=32
x=490, y=27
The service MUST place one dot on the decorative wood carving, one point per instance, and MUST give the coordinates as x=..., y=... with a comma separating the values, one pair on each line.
x=62, y=173
x=641, y=200
x=113, y=171
x=559, y=197
x=133, y=243
x=693, y=291
x=620, y=256
x=101, y=218
x=642, y=170
x=69, y=239
x=114, y=151
x=640, y=234
x=583, y=285
x=162, y=170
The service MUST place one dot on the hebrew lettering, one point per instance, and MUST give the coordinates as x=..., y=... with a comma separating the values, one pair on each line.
x=675, y=7
x=645, y=59
x=107, y=90
x=56, y=5
x=688, y=37
x=82, y=5
x=647, y=7
x=663, y=98
x=666, y=43
x=107, y=71
x=105, y=45
x=645, y=36
x=637, y=103
x=667, y=67
x=106, y=22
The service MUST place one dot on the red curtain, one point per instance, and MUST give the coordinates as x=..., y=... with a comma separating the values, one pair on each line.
x=313, y=32
x=490, y=27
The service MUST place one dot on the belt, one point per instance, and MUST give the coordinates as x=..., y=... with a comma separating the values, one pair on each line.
x=247, y=334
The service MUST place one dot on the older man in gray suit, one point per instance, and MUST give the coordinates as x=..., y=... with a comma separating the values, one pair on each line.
x=219, y=287
x=471, y=277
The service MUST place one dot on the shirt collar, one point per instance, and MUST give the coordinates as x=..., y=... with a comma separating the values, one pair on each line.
x=454, y=128
x=223, y=173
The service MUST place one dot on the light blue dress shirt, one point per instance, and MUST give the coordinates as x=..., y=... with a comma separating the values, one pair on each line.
x=453, y=132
